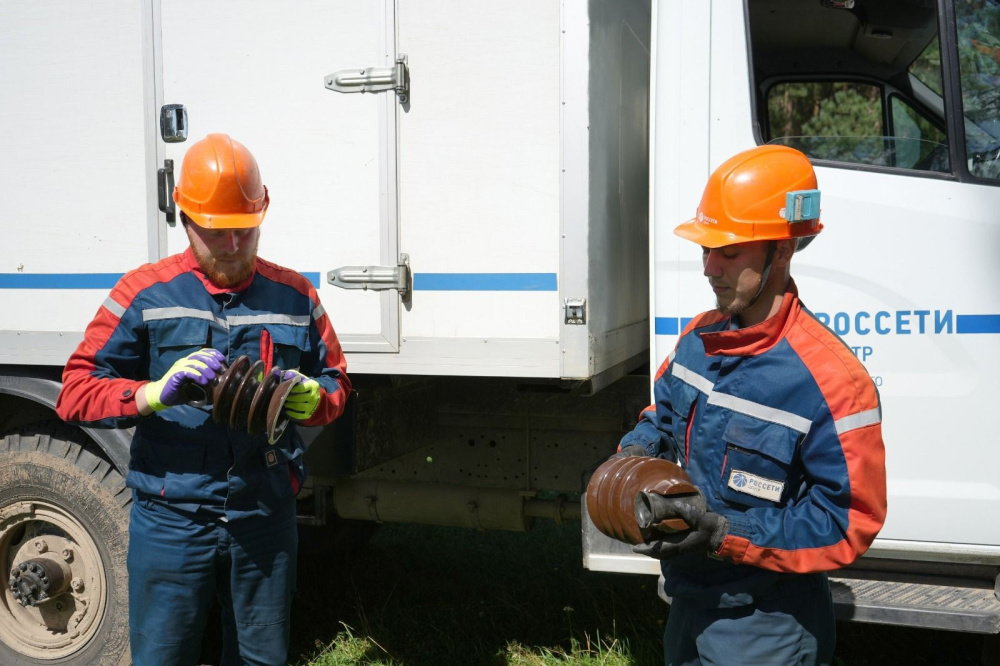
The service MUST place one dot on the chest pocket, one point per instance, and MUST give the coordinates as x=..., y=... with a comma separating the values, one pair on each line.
x=290, y=343
x=757, y=466
x=172, y=339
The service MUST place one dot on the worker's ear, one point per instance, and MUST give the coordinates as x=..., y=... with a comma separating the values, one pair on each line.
x=783, y=252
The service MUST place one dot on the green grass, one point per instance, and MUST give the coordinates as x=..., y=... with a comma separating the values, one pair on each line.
x=428, y=595
x=433, y=596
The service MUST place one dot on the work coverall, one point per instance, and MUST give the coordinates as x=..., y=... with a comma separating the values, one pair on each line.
x=779, y=426
x=214, y=508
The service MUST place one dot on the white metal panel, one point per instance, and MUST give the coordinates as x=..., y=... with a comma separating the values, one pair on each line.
x=575, y=169
x=479, y=168
x=616, y=174
x=255, y=70
x=465, y=357
x=730, y=92
x=680, y=159
x=74, y=179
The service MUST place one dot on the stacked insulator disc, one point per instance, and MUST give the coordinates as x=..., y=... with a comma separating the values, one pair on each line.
x=244, y=397
x=612, y=491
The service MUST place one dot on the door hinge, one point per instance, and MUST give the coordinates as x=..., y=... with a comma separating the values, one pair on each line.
x=576, y=310
x=373, y=79
x=375, y=278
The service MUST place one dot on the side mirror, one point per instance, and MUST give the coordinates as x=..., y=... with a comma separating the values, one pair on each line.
x=173, y=123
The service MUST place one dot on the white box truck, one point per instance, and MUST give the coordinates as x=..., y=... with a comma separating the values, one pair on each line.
x=484, y=193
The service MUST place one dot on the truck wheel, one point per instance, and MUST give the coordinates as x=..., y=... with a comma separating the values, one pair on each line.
x=63, y=542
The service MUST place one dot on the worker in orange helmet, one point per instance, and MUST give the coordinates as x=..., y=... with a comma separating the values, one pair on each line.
x=213, y=505
x=776, y=422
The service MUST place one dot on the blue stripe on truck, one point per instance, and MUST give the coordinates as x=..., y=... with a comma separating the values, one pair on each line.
x=485, y=282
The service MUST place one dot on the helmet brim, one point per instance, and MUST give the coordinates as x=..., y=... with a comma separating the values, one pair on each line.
x=707, y=236
x=236, y=221
x=704, y=235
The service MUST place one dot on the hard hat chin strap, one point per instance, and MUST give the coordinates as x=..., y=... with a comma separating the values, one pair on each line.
x=771, y=246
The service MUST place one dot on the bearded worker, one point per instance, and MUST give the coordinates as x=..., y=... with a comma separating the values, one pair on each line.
x=776, y=422
x=213, y=511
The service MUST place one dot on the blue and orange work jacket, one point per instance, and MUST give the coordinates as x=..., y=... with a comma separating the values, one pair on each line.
x=161, y=312
x=779, y=425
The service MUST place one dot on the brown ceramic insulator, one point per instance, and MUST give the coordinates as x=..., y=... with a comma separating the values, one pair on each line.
x=595, y=484
x=277, y=420
x=602, y=493
x=597, y=489
x=595, y=503
x=623, y=516
x=611, y=495
x=257, y=418
x=243, y=397
x=225, y=390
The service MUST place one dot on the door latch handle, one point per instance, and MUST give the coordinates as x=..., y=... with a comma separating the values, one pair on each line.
x=375, y=278
x=373, y=79
x=165, y=190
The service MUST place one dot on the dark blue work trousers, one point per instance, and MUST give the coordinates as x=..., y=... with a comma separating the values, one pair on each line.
x=179, y=562
x=794, y=629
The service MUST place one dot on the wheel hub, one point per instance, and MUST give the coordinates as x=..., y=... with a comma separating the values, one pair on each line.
x=38, y=580
x=56, y=591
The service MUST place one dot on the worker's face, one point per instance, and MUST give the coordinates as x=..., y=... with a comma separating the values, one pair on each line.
x=734, y=272
x=226, y=255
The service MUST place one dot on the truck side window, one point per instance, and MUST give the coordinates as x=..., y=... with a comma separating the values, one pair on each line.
x=978, y=27
x=864, y=82
x=840, y=121
x=918, y=143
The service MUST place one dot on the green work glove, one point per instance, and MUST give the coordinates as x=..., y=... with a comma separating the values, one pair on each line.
x=303, y=399
x=199, y=367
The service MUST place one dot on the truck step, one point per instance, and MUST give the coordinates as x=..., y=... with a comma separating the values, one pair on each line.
x=964, y=606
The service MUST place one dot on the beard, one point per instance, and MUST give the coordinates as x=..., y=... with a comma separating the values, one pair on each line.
x=738, y=299
x=231, y=270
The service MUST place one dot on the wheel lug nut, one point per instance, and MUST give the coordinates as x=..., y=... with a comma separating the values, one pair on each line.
x=67, y=554
x=77, y=584
x=41, y=546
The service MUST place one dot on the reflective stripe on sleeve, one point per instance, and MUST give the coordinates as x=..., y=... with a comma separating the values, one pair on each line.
x=859, y=420
x=113, y=307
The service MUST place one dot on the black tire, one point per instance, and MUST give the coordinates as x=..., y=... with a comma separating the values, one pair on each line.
x=59, y=500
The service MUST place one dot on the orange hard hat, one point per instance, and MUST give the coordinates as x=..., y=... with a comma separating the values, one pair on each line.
x=765, y=193
x=219, y=186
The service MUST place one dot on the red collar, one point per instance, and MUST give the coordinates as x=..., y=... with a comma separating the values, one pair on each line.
x=756, y=339
x=192, y=265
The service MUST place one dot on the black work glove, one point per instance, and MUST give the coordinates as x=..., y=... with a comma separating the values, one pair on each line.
x=629, y=451
x=705, y=536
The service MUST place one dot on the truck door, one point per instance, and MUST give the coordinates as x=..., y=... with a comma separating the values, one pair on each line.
x=73, y=173
x=257, y=70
